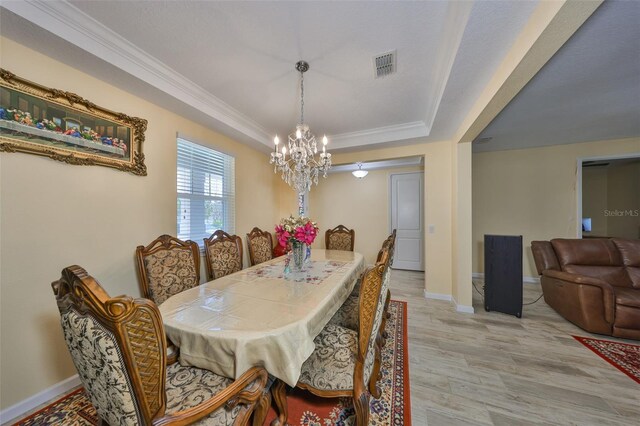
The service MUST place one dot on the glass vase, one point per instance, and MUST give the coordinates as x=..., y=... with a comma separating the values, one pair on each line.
x=299, y=250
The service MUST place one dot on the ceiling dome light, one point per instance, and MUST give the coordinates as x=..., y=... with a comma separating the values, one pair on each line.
x=359, y=173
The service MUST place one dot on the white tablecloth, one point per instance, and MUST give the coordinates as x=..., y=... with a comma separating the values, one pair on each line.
x=260, y=316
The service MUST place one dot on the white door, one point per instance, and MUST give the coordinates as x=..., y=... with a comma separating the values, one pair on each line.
x=406, y=218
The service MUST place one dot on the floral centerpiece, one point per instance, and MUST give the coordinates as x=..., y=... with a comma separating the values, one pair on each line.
x=297, y=233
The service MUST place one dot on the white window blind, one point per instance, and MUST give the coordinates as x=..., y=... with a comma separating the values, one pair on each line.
x=206, y=192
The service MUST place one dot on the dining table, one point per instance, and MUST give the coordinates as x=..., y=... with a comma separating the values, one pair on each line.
x=266, y=315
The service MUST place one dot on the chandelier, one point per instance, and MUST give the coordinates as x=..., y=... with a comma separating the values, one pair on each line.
x=297, y=161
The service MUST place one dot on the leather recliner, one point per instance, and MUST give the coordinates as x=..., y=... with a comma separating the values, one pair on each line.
x=594, y=283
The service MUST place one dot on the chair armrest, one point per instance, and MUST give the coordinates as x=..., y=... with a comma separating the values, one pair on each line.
x=172, y=352
x=247, y=390
x=608, y=294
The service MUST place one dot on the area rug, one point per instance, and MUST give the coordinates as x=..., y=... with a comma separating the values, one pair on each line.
x=624, y=356
x=305, y=409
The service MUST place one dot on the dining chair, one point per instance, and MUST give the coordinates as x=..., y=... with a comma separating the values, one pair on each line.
x=119, y=349
x=340, y=238
x=345, y=360
x=223, y=253
x=391, y=247
x=167, y=266
x=260, y=244
x=348, y=314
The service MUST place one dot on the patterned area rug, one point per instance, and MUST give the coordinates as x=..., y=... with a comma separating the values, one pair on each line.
x=624, y=356
x=305, y=409
x=73, y=409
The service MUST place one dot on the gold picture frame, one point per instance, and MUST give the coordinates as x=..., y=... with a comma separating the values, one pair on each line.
x=66, y=127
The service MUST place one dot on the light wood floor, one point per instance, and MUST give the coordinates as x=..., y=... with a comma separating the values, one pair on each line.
x=490, y=368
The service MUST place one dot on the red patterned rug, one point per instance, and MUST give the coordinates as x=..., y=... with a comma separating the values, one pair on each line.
x=305, y=409
x=624, y=356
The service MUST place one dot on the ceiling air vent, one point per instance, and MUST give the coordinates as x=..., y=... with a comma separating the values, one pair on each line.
x=595, y=163
x=385, y=64
x=483, y=140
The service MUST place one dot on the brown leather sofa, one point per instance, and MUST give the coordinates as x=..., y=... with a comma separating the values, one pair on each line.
x=594, y=283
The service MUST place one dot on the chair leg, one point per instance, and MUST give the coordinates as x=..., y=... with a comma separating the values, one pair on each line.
x=361, y=406
x=279, y=393
x=386, y=305
x=261, y=410
x=374, y=389
x=385, y=316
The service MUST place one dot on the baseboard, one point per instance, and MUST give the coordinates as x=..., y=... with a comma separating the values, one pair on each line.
x=463, y=308
x=437, y=296
x=21, y=408
x=525, y=279
x=449, y=298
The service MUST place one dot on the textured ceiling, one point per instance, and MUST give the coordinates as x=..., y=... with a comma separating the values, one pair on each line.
x=590, y=89
x=239, y=57
x=234, y=60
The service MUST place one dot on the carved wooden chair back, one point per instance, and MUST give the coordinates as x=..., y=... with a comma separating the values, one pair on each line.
x=167, y=266
x=370, y=317
x=118, y=347
x=260, y=245
x=340, y=238
x=223, y=253
x=390, y=245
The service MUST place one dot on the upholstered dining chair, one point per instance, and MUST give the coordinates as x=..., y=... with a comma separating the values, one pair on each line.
x=340, y=238
x=390, y=244
x=119, y=349
x=223, y=253
x=260, y=245
x=167, y=266
x=344, y=360
x=348, y=314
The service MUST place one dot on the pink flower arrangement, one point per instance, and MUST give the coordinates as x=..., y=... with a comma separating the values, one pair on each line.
x=296, y=229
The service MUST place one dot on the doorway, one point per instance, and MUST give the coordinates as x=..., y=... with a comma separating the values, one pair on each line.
x=609, y=197
x=407, y=205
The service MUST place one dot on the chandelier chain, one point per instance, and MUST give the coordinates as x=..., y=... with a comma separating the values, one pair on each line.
x=301, y=97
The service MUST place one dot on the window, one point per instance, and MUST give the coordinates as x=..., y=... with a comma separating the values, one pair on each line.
x=206, y=192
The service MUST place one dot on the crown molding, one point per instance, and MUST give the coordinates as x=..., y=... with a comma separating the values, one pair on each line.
x=416, y=129
x=71, y=24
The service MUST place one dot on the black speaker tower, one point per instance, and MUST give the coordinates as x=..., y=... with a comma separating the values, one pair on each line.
x=503, y=274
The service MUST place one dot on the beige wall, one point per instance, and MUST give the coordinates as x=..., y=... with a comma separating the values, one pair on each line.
x=361, y=204
x=594, y=199
x=623, y=200
x=54, y=215
x=531, y=192
x=437, y=204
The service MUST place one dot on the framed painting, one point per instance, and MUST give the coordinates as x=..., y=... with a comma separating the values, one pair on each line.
x=66, y=127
